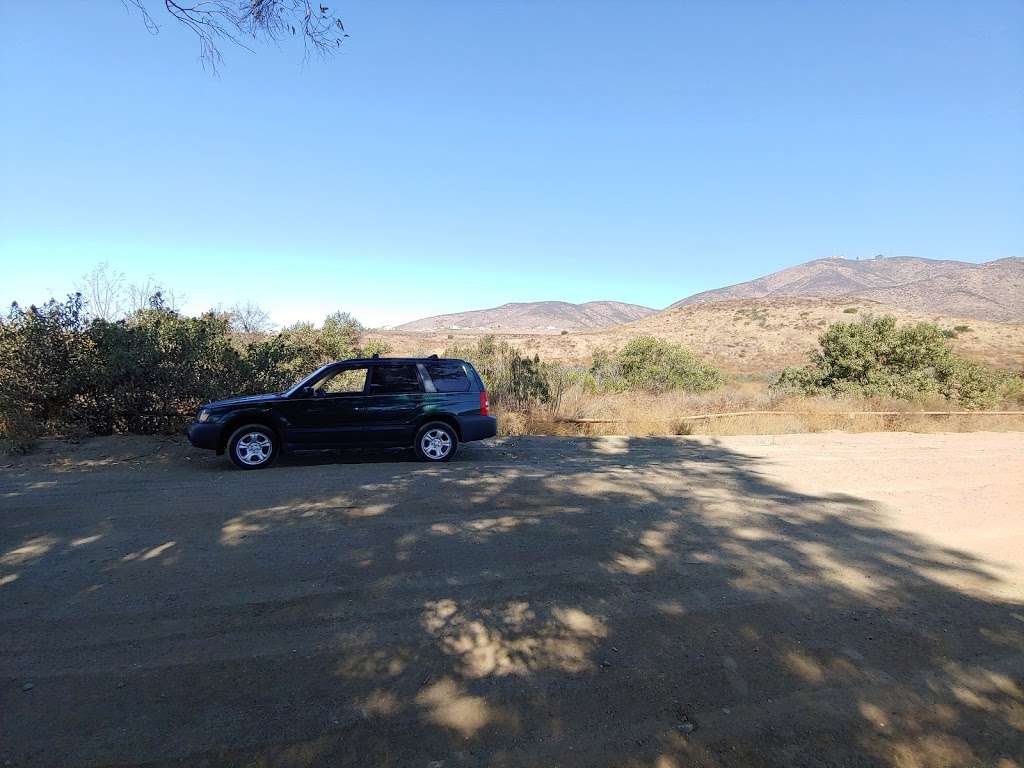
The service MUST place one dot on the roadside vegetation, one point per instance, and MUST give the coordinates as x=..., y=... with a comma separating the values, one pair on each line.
x=66, y=371
x=875, y=358
x=867, y=375
x=528, y=391
x=84, y=366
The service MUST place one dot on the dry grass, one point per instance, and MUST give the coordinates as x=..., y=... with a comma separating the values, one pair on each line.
x=643, y=414
x=745, y=338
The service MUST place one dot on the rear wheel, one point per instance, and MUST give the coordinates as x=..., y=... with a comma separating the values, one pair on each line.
x=436, y=441
x=253, y=446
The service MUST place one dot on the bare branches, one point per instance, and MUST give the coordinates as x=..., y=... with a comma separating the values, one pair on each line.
x=250, y=320
x=152, y=294
x=107, y=296
x=103, y=291
x=239, y=21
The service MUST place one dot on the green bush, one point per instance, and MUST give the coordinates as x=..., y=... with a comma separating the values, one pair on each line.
x=654, y=365
x=604, y=375
x=874, y=357
x=796, y=380
x=44, y=352
x=61, y=373
x=276, y=362
x=153, y=370
x=513, y=381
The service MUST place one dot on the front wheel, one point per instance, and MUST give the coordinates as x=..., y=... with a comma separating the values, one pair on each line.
x=436, y=442
x=253, y=446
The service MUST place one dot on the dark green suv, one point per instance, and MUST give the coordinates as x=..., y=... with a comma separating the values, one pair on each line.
x=429, y=404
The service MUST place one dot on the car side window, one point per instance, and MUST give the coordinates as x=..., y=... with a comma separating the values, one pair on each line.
x=448, y=376
x=345, y=381
x=394, y=379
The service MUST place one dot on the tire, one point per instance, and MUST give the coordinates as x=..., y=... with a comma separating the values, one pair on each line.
x=435, y=442
x=253, y=446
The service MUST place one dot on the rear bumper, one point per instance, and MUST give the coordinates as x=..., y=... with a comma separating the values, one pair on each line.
x=477, y=427
x=204, y=435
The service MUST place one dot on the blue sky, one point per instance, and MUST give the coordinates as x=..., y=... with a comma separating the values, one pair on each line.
x=460, y=155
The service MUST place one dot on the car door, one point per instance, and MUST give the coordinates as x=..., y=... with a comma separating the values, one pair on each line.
x=330, y=411
x=392, y=403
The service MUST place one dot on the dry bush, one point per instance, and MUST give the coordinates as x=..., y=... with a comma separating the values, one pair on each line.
x=18, y=430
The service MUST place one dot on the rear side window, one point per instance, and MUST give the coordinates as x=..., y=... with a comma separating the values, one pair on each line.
x=448, y=376
x=394, y=379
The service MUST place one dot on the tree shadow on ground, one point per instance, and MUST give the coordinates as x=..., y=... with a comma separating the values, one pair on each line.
x=633, y=602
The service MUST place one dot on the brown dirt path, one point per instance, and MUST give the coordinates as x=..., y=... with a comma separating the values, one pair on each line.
x=800, y=600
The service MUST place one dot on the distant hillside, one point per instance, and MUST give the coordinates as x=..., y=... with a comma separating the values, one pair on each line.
x=535, y=317
x=749, y=336
x=993, y=290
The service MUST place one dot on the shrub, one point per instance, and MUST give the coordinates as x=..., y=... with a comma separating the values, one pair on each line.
x=650, y=365
x=513, y=381
x=18, y=430
x=60, y=372
x=795, y=380
x=153, y=369
x=374, y=347
x=851, y=311
x=604, y=374
x=654, y=365
x=45, y=356
x=303, y=347
x=874, y=357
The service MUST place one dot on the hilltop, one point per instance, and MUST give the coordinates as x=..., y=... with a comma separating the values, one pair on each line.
x=992, y=290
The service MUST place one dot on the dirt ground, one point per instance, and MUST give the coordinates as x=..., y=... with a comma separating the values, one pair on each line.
x=799, y=600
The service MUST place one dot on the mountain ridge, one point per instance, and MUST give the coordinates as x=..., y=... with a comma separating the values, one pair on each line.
x=992, y=290
x=535, y=316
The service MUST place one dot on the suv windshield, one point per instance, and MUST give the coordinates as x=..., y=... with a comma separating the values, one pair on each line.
x=306, y=380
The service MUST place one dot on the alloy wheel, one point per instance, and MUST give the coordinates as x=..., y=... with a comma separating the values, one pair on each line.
x=436, y=444
x=253, y=448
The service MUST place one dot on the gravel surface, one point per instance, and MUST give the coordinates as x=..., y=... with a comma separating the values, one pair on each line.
x=800, y=600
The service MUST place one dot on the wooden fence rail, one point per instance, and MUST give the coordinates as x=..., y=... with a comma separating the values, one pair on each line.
x=697, y=417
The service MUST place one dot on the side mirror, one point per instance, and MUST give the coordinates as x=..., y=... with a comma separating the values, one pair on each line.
x=307, y=392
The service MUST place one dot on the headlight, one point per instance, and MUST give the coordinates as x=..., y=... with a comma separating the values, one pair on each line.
x=203, y=416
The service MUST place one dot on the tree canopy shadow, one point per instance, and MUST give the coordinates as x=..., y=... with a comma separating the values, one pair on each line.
x=627, y=602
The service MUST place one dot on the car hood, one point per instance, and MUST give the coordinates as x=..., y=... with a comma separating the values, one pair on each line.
x=233, y=402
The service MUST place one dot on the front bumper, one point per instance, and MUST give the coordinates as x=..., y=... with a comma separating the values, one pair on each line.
x=477, y=427
x=205, y=435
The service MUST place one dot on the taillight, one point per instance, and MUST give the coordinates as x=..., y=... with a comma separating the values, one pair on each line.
x=485, y=404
